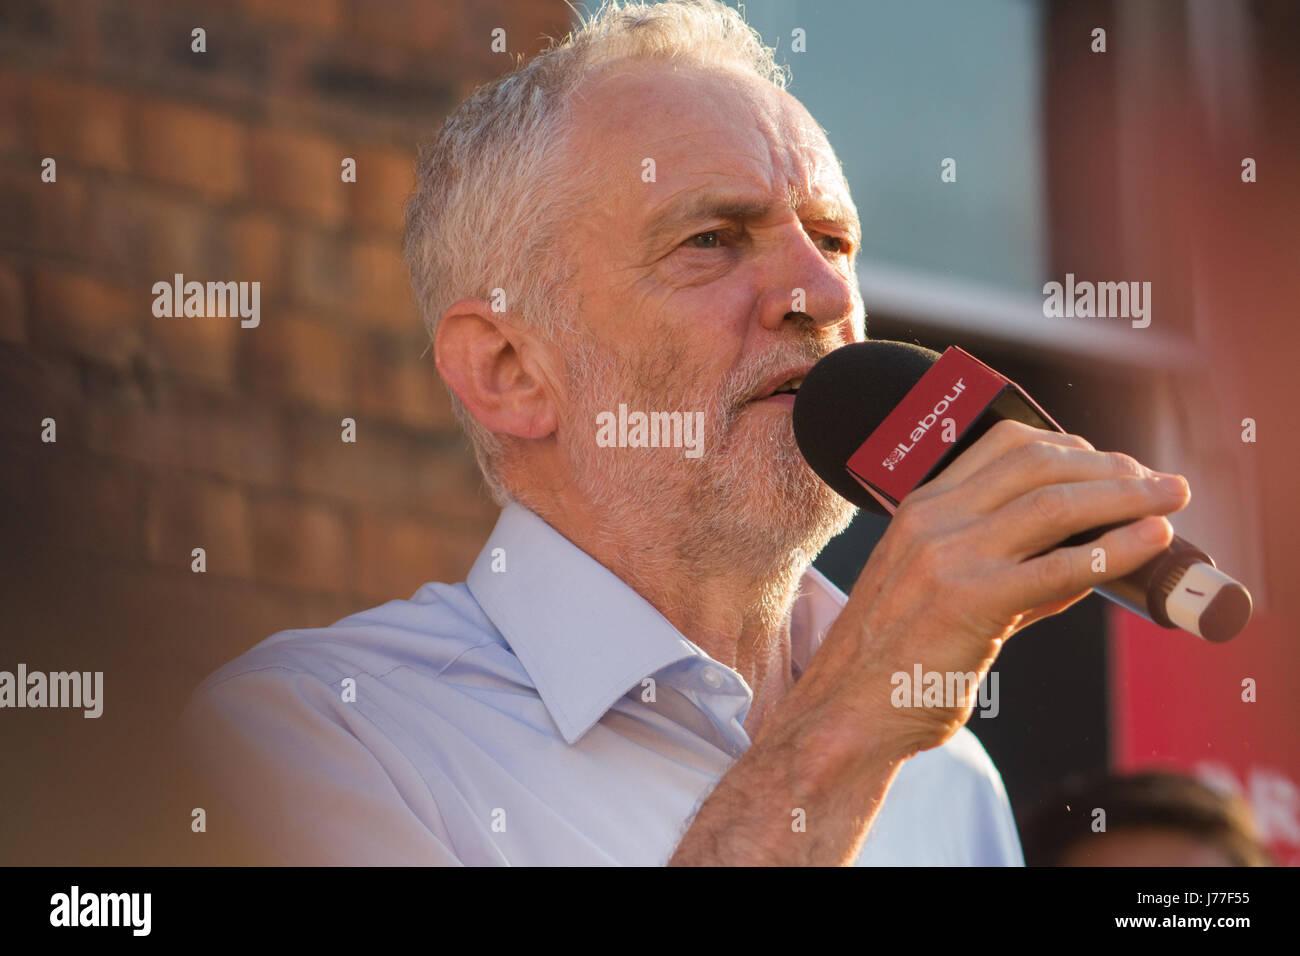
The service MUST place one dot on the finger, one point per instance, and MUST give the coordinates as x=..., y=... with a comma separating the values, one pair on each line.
x=993, y=444
x=1047, y=610
x=1047, y=516
x=1038, y=463
x=1067, y=571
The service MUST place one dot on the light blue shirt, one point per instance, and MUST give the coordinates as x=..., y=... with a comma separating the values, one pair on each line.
x=539, y=713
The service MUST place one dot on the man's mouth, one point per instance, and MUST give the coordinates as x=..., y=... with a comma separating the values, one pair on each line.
x=782, y=392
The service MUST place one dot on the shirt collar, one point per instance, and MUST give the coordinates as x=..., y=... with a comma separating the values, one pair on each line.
x=583, y=635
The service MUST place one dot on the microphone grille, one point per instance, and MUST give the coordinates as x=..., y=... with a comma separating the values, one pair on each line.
x=844, y=398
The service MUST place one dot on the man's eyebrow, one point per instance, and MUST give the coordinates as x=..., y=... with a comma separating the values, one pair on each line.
x=704, y=206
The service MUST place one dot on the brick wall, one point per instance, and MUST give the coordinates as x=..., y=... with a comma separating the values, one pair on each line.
x=176, y=433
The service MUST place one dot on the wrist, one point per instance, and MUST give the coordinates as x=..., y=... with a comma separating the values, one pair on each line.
x=836, y=739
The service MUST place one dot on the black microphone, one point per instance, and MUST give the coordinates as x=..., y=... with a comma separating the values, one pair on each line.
x=877, y=419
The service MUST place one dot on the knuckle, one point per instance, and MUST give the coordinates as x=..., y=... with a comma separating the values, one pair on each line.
x=1078, y=441
x=913, y=518
x=928, y=558
x=1134, y=492
x=1050, y=503
x=1042, y=455
x=1011, y=431
x=1125, y=465
x=1054, y=570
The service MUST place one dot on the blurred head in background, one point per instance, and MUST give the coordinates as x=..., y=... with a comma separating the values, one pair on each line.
x=1151, y=819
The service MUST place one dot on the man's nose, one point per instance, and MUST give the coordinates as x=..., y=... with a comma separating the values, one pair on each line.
x=804, y=284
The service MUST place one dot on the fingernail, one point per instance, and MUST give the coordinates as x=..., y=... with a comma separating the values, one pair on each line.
x=1172, y=485
x=1152, y=532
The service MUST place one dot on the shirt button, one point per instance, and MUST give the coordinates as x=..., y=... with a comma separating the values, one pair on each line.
x=712, y=677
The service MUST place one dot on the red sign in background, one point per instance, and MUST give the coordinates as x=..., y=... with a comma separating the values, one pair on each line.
x=1177, y=702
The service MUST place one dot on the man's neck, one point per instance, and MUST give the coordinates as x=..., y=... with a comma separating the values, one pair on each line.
x=738, y=621
x=737, y=612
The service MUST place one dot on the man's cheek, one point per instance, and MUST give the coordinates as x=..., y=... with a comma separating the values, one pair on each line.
x=687, y=270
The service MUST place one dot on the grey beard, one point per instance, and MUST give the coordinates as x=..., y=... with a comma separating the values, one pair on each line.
x=749, y=503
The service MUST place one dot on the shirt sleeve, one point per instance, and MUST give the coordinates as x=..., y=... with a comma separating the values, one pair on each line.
x=1004, y=844
x=288, y=773
x=997, y=843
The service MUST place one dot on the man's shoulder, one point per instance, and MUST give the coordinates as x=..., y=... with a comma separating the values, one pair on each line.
x=964, y=757
x=438, y=623
x=960, y=768
x=435, y=629
x=362, y=680
x=955, y=796
x=300, y=744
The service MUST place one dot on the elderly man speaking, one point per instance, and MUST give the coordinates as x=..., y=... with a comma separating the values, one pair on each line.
x=642, y=667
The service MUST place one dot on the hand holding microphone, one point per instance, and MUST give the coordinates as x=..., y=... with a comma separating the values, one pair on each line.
x=973, y=554
x=1001, y=534
x=878, y=419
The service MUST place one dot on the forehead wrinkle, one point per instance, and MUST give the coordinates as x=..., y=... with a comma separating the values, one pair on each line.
x=812, y=154
x=826, y=206
x=806, y=153
x=781, y=142
x=724, y=203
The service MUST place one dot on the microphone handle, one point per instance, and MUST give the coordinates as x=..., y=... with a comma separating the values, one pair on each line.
x=1178, y=588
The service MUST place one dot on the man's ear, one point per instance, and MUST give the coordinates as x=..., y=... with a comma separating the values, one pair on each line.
x=498, y=370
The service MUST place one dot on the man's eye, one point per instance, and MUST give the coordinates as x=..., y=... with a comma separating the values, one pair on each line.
x=705, y=240
x=714, y=238
x=840, y=245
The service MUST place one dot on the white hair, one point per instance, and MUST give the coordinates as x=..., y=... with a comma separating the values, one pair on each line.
x=494, y=186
